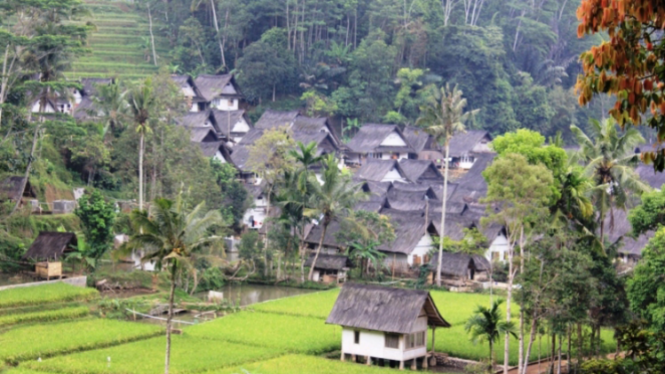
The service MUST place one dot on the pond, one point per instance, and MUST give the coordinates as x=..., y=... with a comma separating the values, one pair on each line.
x=248, y=294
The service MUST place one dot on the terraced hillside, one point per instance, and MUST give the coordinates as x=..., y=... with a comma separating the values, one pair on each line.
x=120, y=43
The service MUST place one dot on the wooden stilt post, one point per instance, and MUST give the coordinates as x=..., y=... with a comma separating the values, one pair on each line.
x=425, y=361
x=369, y=361
x=414, y=365
x=353, y=358
x=342, y=358
x=401, y=365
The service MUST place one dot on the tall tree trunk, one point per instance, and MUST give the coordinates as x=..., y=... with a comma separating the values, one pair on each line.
x=558, y=365
x=169, y=319
x=219, y=41
x=27, y=169
x=318, y=250
x=152, y=37
x=443, y=214
x=511, y=275
x=141, y=150
x=153, y=176
x=489, y=366
x=580, y=345
x=532, y=333
x=521, y=360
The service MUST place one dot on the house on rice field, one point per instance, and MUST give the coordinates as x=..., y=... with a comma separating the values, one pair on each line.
x=48, y=250
x=329, y=268
x=387, y=326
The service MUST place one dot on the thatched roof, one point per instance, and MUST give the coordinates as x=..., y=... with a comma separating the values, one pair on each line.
x=653, y=178
x=273, y=118
x=409, y=228
x=458, y=264
x=421, y=171
x=10, y=188
x=199, y=119
x=371, y=135
x=240, y=156
x=202, y=134
x=385, y=309
x=634, y=247
x=89, y=85
x=226, y=119
x=329, y=262
x=371, y=206
x=325, y=143
x=308, y=124
x=418, y=138
x=472, y=186
x=251, y=137
x=376, y=190
x=465, y=142
x=85, y=109
x=399, y=199
x=186, y=81
x=455, y=224
x=210, y=149
x=375, y=170
x=211, y=86
x=51, y=245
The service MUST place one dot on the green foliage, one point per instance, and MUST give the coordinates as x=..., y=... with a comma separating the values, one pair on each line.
x=649, y=215
x=487, y=325
x=43, y=316
x=97, y=218
x=46, y=294
x=69, y=337
x=236, y=197
x=275, y=331
x=189, y=354
x=250, y=247
x=646, y=288
x=596, y=366
x=211, y=279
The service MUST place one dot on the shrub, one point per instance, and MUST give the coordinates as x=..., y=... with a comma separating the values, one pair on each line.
x=44, y=316
x=31, y=342
x=48, y=293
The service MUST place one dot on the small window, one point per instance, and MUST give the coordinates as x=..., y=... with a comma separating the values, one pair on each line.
x=392, y=340
x=356, y=337
x=415, y=340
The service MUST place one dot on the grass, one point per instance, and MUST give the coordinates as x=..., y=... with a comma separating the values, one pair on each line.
x=48, y=293
x=316, y=305
x=289, y=333
x=45, y=340
x=189, y=354
x=44, y=316
x=304, y=364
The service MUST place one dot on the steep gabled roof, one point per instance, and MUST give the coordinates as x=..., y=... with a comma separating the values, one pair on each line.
x=458, y=264
x=464, y=143
x=51, y=245
x=199, y=119
x=375, y=170
x=421, y=171
x=202, y=134
x=409, y=228
x=211, y=86
x=380, y=308
x=653, y=178
x=186, y=81
x=251, y=137
x=273, y=118
x=85, y=109
x=472, y=186
x=226, y=119
x=371, y=135
x=239, y=156
x=329, y=262
x=10, y=188
x=210, y=149
x=89, y=85
x=418, y=138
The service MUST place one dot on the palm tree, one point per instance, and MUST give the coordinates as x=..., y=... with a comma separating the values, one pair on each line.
x=300, y=191
x=610, y=162
x=487, y=324
x=367, y=253
x=141, y=102
x=442, y=118
x=169, y=236
x=332, y=200
x=111, y=103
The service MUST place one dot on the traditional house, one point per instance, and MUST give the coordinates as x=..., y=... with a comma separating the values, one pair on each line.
x=413, y=240
x=12, y=189
x=419, y=139
x=382, y=171
x=220, y=91
x=217, y=150
x=459, y=266
x=618, y=230
x=386, y=324
x=232, y=125
x=329, y=268
x=375, y=141
x=256, y=215
x=471, y=186
x=193, y=96
x=48, y=249
x=465, y=146
x=273, y=119
x=421, y=171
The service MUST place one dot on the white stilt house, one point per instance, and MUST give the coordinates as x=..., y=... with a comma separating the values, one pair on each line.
x=388, y=324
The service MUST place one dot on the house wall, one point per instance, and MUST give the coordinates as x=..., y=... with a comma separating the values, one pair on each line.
x=393, y=176
x=241, y=126
x=399, y=260
x=219, y=157
x=258, y=213
x=389, y=156
x=194, y=108
x=47, y=109
x=393, y=140
x=188, y=91
x=499, y=247
x=483, y=146
x=422, y=248
x=225, y=103
x=373, y=344
x=77, y=96
x=229, y=89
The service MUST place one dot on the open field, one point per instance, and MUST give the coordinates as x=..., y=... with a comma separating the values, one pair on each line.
x=45, y=340
x=46, y=294
x=189, y=355
x=288, y=333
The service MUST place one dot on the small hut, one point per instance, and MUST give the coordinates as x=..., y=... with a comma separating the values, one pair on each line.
x=48, y=249
x=385, y=324
x=11, y=189
x=460, y=266
x=329, y=268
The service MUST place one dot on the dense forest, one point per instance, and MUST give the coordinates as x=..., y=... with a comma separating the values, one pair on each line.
x=370, y=60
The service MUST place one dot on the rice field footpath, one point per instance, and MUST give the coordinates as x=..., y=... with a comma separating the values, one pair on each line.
x=189, y=354
x=44, y=316
x=46, y=294
x=32, y=342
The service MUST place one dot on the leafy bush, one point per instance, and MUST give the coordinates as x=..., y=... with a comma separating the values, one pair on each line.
x=188, y=355
x=293, y=334
x=44, y=316
x=48, y=293
x=30, y=342
x=304, y=364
